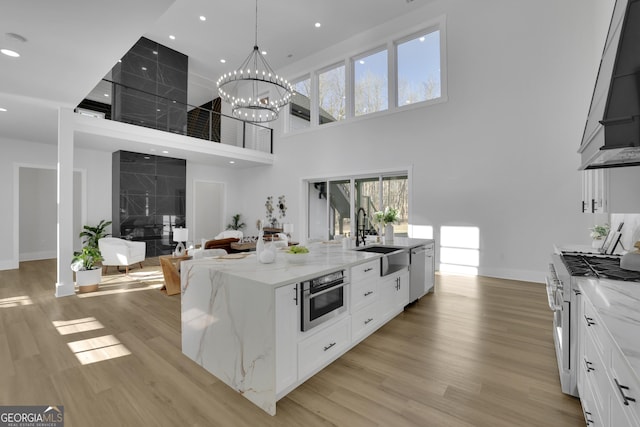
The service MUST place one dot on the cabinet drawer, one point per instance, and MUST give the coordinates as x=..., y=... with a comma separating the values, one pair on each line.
x=365, y=321
x=595, y=331
x=595, y=374
x=368, y=270
x=625, y=383
x=363, y=293
x=321, y=348
x=592, y=415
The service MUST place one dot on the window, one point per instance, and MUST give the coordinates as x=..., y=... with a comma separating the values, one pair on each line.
x=331, y=95
x=371, y=86
x=418, y=76
x=300, y=106
x=333, y=204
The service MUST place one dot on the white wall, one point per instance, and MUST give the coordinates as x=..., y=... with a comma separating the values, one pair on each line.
x=499, y=155
x=38, y=238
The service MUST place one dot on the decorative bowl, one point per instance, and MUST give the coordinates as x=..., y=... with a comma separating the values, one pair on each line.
x=296, y=258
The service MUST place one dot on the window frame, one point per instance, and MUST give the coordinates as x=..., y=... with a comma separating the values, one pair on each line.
x=352, y=94
x=390, y=44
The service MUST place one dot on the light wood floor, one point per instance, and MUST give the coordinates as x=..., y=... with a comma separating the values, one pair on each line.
x=479, y=352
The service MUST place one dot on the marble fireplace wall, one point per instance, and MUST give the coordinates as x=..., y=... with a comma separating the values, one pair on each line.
x=149, y=199
x=158, y=70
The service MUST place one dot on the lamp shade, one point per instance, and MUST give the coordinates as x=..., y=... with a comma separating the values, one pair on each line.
x=180, y=234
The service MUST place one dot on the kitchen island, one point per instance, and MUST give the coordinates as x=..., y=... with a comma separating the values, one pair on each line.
x=241, y=321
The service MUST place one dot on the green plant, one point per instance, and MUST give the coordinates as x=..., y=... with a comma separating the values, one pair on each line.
x=85, y=259
x=235, y=223
x=91, y=235
x=599, y=231
x=388, y=216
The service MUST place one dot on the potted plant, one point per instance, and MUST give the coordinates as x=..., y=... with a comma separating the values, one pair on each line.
x=386, y=219
x=598, y=232
x=88, y=274
x=236, y=223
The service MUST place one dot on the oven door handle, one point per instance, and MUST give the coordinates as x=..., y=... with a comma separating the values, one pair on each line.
x=551, y=291
x=324, y=291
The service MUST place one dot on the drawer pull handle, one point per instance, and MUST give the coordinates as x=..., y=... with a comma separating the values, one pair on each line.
x=366, y=294
x=329, y=346
x=589, y=320
x=366, y=322
x=588, y=364
x=625, y=399
x=577, y=292
x=587, y=417
x=368, y=269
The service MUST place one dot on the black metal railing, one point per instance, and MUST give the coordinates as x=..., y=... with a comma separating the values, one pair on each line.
x=142, y=108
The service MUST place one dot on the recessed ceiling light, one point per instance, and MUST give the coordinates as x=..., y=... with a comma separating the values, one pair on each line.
x=3, y=109
x=165, y=151
x=155, y=52
x=203, y=18
x=264, y=52
x=106, y=94
x=318, y=25
x=172, y=37
x=144, y=68
x=223, y=60
x=11, y=53
x=119, y=60
x=157, y=109
x=231, y=161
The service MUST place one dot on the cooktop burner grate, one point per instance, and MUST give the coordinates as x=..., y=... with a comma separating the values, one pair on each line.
x=598, y=266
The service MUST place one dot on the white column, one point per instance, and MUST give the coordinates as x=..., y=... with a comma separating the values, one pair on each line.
x=64, y=284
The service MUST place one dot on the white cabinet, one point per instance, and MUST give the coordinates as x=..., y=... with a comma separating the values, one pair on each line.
x=611, y=190
x=287, y=327
x=430, y=268
x=316, y=351
x=394, y=294
x=609, y=391
x=364, y=284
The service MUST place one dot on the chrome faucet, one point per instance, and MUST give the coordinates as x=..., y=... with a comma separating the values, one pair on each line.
x=364, y=222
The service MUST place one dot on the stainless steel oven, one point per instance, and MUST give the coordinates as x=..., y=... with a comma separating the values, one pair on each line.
x=562, y=301
x=323, y=298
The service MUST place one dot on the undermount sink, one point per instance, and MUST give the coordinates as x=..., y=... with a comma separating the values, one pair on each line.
x=378, y=249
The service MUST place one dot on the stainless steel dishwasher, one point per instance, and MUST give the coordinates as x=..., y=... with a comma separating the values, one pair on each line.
x=421, y=271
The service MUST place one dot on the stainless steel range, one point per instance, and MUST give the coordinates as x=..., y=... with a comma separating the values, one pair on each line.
x=562, y=292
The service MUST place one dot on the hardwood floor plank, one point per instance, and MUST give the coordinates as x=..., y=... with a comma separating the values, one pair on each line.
x=478, y=352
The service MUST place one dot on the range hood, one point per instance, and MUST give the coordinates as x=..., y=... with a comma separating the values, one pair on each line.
x=612, y=133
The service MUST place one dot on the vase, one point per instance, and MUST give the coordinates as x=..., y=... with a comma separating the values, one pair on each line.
x=596, y=243
x=388, y=233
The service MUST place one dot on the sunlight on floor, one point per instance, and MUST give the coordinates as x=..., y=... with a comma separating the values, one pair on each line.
x=94, y=350
x=15, y=301
x=67, y=327
x=118, y=291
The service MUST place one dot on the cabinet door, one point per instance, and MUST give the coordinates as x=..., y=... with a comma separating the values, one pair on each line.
x=402, y=291
x=594, y=191
x=287, y=326
x=430, y=269
x=387, y=296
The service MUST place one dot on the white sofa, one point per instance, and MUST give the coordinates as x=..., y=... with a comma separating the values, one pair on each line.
x=120, y=252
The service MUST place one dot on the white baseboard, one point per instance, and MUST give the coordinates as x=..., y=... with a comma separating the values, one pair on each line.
x=9, y=265
x=34, y=256
x=520, y=275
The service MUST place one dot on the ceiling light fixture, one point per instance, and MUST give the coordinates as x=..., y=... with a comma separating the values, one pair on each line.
x=11, y=53
x=318, y=25
x=256, y=93
x=223, y=61
x=3, y=109
x=203, y=18
x=172, y=37
x=10, y=44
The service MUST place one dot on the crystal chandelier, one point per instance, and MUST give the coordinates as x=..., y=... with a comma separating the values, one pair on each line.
x=256, y=93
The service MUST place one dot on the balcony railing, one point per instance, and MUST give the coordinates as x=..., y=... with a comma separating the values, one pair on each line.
x=141, y=108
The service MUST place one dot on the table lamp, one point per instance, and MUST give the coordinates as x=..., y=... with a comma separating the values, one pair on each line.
x=180, y=235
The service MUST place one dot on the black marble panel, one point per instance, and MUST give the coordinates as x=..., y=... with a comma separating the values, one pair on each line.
x=145, y=47
x=144, y=205
x=169, y=186
x=173, y=58
x=137, y=183
x=137, y=163
x=167, y=166
x=170, y=205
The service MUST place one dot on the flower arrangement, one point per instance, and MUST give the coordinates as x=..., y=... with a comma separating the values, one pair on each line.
x=599, y=231
x=388, y=216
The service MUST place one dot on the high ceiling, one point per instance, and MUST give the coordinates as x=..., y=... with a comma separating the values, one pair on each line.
x=72, y=44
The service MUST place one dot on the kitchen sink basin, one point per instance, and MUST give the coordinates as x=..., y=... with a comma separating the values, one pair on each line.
x=378, y=249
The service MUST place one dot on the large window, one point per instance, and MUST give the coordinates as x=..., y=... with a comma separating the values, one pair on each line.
x=419, y=68
x=404, y=71
x=334, y=204
x=331, y=95
x=459, y=249
x=300, y=106
x=371, y=86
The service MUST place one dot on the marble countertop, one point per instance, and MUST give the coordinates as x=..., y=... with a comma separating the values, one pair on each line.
x=323, y=258
x=618, y=304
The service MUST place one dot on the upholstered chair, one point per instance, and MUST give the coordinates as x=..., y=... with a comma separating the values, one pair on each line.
x=120, y=252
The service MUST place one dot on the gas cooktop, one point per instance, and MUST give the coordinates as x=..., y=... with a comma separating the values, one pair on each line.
x=601, y=267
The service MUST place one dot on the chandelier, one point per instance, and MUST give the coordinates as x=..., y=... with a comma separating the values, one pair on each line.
x=256, y=93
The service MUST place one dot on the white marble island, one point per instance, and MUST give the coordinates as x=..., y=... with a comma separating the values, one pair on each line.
x=229, y=319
